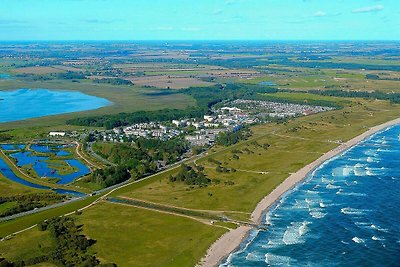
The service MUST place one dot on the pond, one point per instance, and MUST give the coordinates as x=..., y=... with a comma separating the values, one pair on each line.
x=44, y=102
x=41, y=167
x=6, y=171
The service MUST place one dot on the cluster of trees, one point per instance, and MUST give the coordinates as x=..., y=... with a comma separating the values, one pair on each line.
x=69, y=75
x=124, y=119
x=29, y=202
x=5, y=137
x=190, y=175
x=392, y=97
x=110, y=176
x=205, y=98
x=71, y=247
x=138, y=159
x=231, y=138
x=113, y=81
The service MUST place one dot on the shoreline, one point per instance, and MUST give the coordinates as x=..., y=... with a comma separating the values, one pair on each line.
x=231, y=240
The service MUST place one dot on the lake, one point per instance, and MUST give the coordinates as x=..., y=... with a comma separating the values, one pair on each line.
x=345, y=214
x=24, y=104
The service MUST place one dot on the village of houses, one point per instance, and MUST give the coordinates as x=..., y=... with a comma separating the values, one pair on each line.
x=229, y=117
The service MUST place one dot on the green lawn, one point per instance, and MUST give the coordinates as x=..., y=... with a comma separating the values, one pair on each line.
x=31, y=243
x=130, y=236
x=12, y=226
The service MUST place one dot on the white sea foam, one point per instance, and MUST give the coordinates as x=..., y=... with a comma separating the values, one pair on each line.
x=331, y=186
x=352, y=211
x=354, y=194
x=375, y=238
x=375, y=227
x=358, y=240
x=294, y=233
x=277, y=260
x=303, y=229
x=327, y=181
x=252, y=256
x=317, y=214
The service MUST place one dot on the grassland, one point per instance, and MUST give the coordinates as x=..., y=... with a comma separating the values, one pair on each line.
x=146, y=238
x=9, y=188
x=325, y=79
x=16, y=248
x=15, y=225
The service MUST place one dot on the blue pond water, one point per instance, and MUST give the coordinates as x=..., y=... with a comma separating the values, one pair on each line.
x=50, y=149
x=8, y=173
x=43, y=169
x=346, y=213
x=267, y=83
x=44, y=102
x=11, y=147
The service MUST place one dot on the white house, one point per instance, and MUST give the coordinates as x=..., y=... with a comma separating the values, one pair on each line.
x=59, y=134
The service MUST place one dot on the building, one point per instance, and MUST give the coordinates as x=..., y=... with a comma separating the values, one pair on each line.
x=57, y=134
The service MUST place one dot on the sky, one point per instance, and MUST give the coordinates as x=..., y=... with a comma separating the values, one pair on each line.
x=199, y=20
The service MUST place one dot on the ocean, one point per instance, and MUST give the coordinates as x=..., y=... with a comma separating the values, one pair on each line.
x=345, y=213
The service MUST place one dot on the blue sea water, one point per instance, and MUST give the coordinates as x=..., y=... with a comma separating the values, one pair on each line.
x=5, y=76
x=346, y=213
x=27, y=103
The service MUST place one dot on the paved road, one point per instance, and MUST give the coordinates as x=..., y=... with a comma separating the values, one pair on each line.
x=97, y=156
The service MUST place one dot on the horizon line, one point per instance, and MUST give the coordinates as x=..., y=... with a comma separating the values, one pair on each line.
x=204, y=40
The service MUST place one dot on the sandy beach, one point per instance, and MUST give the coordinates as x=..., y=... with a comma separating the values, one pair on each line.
x=231, y=240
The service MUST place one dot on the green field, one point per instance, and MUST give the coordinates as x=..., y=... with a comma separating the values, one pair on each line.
x=146, y=238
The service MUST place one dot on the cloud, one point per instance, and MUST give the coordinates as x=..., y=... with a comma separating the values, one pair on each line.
x=320, y=14
x=230, y=2
x=368, y=9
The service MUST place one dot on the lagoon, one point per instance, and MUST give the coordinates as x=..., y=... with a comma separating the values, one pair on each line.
x=24, y=104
